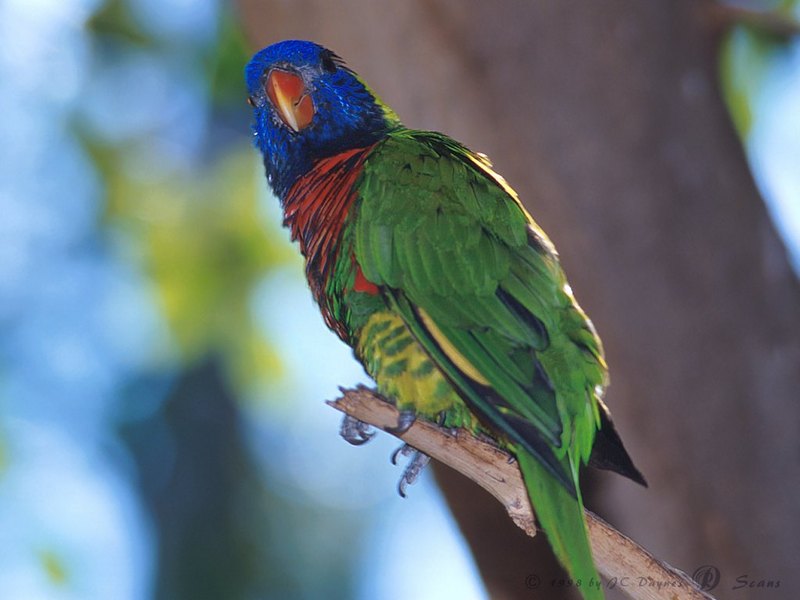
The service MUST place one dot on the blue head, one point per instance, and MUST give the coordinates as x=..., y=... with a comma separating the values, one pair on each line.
x=308, y=105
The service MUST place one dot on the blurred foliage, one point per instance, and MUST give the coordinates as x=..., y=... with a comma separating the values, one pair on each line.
x=198, y=231
x=749, y=50
x=206, y=247
x=226, y=64
x=113, y=19
x=745, y=58
x=54, y=567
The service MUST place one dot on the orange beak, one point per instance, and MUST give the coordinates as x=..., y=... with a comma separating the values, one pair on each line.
x=289, y=96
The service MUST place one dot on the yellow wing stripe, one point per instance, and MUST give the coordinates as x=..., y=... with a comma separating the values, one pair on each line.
x=450, y=351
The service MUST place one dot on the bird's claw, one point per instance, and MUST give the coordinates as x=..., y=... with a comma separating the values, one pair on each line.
x=355, y=432
x=404, y=450
x=404, y=422
x=413, y=469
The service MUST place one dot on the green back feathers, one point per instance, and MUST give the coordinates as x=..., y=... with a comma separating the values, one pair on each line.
x=479, y=286
x=433, y=225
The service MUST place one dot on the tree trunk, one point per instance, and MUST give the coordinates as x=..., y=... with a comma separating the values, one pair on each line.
x=607, y=118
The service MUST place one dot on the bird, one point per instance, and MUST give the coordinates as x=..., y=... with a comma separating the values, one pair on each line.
x=423, y=259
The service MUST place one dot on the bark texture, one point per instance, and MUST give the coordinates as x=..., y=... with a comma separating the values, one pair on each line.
x=607, y=118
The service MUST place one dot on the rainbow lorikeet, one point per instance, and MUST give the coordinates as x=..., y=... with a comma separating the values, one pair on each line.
x=424, y=261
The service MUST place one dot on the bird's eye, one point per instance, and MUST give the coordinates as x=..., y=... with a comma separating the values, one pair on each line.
x=251, y=101
x=328, y=62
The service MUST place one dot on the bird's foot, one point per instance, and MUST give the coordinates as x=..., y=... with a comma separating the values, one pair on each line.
x=414, y=467
x=355, y=432
x=404, y=422
x=441, y=421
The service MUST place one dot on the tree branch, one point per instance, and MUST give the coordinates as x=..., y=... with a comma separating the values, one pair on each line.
x=625, y=565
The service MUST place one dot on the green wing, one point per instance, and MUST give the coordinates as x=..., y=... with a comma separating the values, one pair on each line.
x=479, y=285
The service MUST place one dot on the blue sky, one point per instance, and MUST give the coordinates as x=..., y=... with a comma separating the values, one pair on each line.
x=774, y=146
